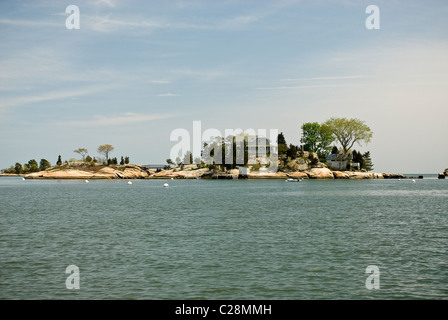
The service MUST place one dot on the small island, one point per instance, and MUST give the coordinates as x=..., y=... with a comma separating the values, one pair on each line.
x=317, y=158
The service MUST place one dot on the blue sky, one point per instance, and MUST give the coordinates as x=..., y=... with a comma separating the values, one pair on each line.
x=137, y=70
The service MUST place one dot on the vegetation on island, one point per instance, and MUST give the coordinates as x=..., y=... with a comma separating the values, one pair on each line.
x=318, y=143
x=33, y=166
x=318, y=149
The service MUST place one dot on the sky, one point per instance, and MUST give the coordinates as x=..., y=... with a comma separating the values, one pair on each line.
x=135, y=71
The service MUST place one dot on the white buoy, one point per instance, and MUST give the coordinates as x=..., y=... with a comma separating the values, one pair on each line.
x=413, y=180
x=166, y=185
x=129, y=182
x=87, y=181
x=399, y=179
x=23, y=179
x=172, y=178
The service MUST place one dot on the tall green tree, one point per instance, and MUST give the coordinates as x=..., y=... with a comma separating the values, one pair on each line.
x=310, y=135
x=281, y=144
x=349, y=131
x=59, y=162
x=317, y=137
x=368, y=165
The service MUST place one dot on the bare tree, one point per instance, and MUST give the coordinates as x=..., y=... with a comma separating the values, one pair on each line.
x=105, y=149
x=83, y=152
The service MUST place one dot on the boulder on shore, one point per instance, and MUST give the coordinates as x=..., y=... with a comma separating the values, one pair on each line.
x=267, y=175
x=340, y=175
x=297, y=175
x=320, y=173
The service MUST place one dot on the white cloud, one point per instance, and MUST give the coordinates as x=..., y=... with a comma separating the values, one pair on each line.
x=55, y=95
x=168, y=95
x=116, y=120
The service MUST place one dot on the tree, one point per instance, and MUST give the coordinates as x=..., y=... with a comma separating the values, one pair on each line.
x=18, y=168
x=317, y=138
x=82, y=151
x=32, y=164
x=188, y=158
x=126, y=160
x=281, y=144
x=310, y=135
x=169, y=161
x=349, y=131
x=292, y=151
x=122, y=161
x=325, y=139
x=368, y=165
x=105, y=149
x=89, y=159
x=281, y=138
x=59, y=162
x=44, y=164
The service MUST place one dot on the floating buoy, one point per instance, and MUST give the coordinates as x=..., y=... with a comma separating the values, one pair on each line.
x=413, y=180
x=399, y=179
x=87, y=181
x=23, y=179
x=166, y=185
x=172, y=178
x=129, y=182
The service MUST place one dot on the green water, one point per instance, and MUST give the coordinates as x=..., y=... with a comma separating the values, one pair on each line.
x=207, y=239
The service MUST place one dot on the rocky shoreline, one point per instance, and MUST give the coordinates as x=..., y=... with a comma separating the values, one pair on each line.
x=189, y=172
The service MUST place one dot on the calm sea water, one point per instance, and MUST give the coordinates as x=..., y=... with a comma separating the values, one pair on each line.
x=207, y=239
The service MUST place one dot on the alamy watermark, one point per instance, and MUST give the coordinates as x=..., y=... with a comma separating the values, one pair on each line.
x=373, y=21
x=373, y=280
x=234, y=147
x=73, y=20
x=72, y=281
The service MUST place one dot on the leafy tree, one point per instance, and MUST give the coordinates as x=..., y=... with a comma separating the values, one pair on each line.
x=44, y=164
x=325, y=139
x=349, y=131
x=82, y=151
x=59, y=162
x=292, y=151
x=122, y=161
x=126, y=160
x=169, y=161
x=310, y=134
x=317, y=138
x=18, y=168
x=105, y=149
x=89, y=159
x=33, y=167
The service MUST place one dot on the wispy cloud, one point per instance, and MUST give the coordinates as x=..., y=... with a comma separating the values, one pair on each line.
x=168, y=95
x=116, y=120
x=55, y=95
x=329, y=78
x=106, y=24
x=29, y=23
